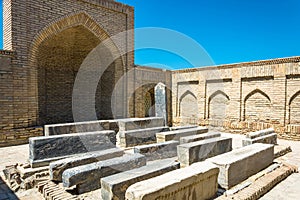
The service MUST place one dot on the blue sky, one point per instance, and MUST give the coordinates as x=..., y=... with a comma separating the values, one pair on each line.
x=230, y=31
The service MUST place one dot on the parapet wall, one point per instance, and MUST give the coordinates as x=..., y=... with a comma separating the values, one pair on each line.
x=241, y=97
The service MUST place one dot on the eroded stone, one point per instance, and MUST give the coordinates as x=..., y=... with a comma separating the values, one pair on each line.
x=198, y=181
x=43, y=150
x=139, y=137
x=239, y=164
x=198, y=151
x=87, y=177
x=194, y=138
x=176, y=135
x=58, y=167
x=115, y=186
x=158, y=150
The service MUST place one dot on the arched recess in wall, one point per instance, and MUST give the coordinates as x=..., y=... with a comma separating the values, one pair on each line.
x=217, y=105
x=55, y=57
x=188, y=106
x=143, y=101
x=257, y=106
x=294, y=108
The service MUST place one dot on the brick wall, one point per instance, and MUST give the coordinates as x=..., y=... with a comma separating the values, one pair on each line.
x=241, y=97
x=49, y=40
x=144, y=80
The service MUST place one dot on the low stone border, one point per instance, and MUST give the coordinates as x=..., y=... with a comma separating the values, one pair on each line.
x=50, y=190
x=263, y=184
x=280, y=150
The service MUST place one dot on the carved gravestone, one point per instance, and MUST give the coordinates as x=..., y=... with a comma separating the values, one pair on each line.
x=160, y=101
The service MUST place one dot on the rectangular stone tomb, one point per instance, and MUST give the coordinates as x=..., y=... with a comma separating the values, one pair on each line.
x=267, y=136
x=87, y=177
x=58, y=167
x=175, y=128
x=140, y=123
x=198, y=181
x=176, y=135
x=266, y=139
x=76, y=127
x=260, y=133
x=44, y=149
x=115, y=186
x=139, y=137
x=158, y=150
x=194, y=138
x=239, y=164
x=190, y=153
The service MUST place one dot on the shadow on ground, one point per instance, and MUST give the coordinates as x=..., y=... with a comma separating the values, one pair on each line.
x=5, y=192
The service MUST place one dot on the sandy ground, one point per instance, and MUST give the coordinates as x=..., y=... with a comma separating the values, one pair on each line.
x=289, y=189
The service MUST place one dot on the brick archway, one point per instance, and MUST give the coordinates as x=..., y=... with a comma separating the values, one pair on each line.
x=55, y=57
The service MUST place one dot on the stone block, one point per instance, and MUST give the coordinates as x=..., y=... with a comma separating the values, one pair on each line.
x=194, y=138
x=190, y=153
x=140, y=123
x=260, y=133
x=176, y=135
x=115, y=186
x=87, y=177
x=198, y=181
x=161, y=101
x=139, y=137
x=44, y=149
x=266, y=139
x=239, y=164
x=158, y=150
x=174, y=128
x=76, y=127
x=58, y=167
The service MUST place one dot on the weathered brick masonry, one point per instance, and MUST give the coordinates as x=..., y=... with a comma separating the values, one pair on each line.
x=242, y=97
x=48, y=41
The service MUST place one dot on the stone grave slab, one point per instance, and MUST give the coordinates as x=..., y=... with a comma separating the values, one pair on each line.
x=198, y=181
x=140, y=123
x=176, y=135
x=44, y=149
x=239, y=164
x=139, y=137
x=58, y=167
x=115, y=186
x=190, y=153
x=158, y=150
x=175, y=128
x=87, y=177
x=195, y=138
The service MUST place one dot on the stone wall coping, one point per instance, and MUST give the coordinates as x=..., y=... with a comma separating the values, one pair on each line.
x=294, y=59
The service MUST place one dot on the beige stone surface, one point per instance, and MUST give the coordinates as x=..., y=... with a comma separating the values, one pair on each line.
x=198, y=181
x=240, y=164
x=287, y=189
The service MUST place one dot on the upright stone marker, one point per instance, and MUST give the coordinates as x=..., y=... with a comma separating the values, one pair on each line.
x=160, y=101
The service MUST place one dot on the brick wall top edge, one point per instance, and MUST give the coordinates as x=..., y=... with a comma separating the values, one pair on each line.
x=112, y=5
x=242, y=64
x=6, y=52
x=139, y=67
